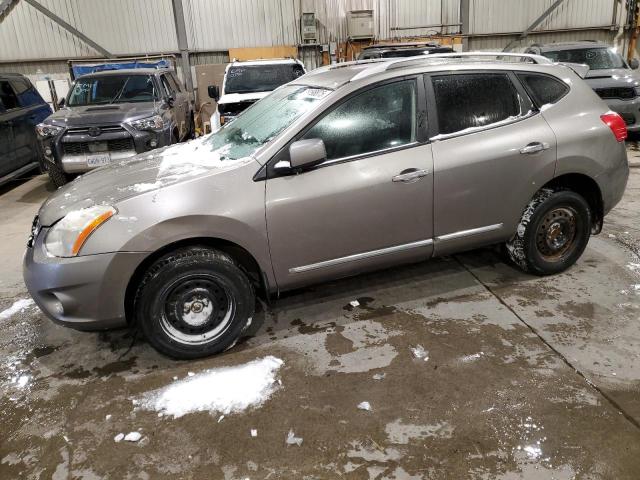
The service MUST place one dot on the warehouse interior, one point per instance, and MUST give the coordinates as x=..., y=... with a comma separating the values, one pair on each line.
x=320, y=239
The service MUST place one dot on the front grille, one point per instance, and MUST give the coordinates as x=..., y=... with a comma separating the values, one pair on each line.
x=80, y=148
x=623, y=93
x=629, y=118
x=105, y=129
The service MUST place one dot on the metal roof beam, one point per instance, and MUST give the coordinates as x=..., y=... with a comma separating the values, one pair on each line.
x=536, y=22
x=69, y=28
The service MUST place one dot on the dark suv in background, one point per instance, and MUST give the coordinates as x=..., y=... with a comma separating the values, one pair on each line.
x=21, y=108
x=611, y=77
x=112, y=115
x=394, y=50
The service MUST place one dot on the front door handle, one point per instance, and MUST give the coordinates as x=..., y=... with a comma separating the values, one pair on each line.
x=534, y=147
x=410, y=175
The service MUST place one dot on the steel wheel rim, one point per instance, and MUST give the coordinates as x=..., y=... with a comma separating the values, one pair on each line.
x=557, y=233
x=196, y=309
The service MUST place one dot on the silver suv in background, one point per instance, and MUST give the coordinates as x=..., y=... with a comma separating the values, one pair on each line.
x=613, y=79
x=350, y=168
x=113, y=115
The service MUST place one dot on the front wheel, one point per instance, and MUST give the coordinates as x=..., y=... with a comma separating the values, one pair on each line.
x=193, y=303
x=553, y=232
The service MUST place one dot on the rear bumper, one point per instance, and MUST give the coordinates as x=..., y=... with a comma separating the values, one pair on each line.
x=86, y=292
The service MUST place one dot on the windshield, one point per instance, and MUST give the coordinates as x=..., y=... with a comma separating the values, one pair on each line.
x=265, y=119
x=600, y=58
x=260, y=78
x=112, y=89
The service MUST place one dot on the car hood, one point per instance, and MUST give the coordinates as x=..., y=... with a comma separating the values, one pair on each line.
x=241, y=97
x=143, y=174
x=102, y=114
x=614, y=77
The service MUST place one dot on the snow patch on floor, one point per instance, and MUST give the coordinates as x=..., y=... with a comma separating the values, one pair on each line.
x=18, y=306
x=221, y=390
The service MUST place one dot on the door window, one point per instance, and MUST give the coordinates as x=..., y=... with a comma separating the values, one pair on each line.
x=377, y=119
x=8, y=96
x=167, y=87
x=470, y=101
x=175, y=84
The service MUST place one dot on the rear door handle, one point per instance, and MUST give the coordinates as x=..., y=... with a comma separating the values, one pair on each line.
x=534, y=147
x=410, y=175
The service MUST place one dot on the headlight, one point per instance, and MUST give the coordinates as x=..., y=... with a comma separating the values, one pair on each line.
x=45, y=131
x=149, y=123
x=65, y=239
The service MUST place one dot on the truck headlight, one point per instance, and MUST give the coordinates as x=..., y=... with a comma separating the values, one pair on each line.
x=149, y=123
x=46, y=131
x=67, y=236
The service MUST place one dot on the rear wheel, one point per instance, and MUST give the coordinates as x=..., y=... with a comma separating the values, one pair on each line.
x=193, y=303
x=553, y=232
x=57, y=175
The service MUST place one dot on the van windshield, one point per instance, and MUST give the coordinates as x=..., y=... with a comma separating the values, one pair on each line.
x=260, y=78
x=600, y=58
x=112, y=89
x=263, y=121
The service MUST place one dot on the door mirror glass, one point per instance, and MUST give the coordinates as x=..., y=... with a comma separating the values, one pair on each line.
x=214, y=92
x=307, y=153
x=634, y=63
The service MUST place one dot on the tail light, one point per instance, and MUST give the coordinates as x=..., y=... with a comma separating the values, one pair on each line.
x=616, y=124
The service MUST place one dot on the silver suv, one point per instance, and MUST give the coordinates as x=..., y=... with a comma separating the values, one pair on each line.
x=349, y=168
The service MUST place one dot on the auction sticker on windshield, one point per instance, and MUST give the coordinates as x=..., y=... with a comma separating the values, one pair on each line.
x=98, y=160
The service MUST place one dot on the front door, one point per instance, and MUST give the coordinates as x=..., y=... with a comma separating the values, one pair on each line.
x=370, y=204
x=6, y=143
x=493, y=151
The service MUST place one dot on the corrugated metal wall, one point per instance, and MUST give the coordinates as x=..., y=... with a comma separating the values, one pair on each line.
x=134, y=27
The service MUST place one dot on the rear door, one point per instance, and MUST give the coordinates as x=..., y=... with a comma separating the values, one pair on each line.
x=370, y=204
x=492, y=151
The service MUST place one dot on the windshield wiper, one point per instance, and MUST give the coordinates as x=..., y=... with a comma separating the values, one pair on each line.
x=121, y=91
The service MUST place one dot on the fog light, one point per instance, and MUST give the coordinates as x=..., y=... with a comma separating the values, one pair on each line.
x=153, y=143
x=47, y=152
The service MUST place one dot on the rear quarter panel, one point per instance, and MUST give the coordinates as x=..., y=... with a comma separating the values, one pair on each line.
x=586, y=144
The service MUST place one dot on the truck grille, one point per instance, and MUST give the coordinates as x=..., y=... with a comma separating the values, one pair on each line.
x=624, y=93
x=79, y=148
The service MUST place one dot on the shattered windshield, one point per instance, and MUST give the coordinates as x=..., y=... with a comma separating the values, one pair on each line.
x=596, y=58
x=260, y=78
x=112, y=89
x=263, y=121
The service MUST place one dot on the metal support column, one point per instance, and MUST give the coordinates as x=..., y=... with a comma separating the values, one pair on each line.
x=183, y=45
x=465, y=5
x=69, y=28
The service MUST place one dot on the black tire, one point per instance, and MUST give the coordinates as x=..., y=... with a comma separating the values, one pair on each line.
x=553, y=232
x=57, y=175
x=177, y=283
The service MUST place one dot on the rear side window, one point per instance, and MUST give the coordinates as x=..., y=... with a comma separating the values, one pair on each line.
x=544, y=89
x=8, y=96
x=466, y=101
x=380, y=118
x=174, y=82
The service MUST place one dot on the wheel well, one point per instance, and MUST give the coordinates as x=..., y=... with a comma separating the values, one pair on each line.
x=588, y=189
x=244, y=259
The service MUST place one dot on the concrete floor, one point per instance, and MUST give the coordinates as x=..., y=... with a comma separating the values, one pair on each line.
x=527, y=378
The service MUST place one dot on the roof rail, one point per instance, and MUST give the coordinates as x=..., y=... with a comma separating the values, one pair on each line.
x=399, y=63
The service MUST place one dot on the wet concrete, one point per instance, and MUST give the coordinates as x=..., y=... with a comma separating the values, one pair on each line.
x=526, y=378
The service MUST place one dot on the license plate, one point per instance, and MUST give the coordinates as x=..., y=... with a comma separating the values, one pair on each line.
x=98, y=160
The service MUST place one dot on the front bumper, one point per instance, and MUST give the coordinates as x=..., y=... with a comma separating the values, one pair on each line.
x=85, y=292
x=72, y=148
x=628, y=109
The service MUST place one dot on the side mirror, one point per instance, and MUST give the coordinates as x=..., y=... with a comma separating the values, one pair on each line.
x=307, y=153
x=61, y=102
x=214, y=92
x=634, y=63
x=171, y=100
